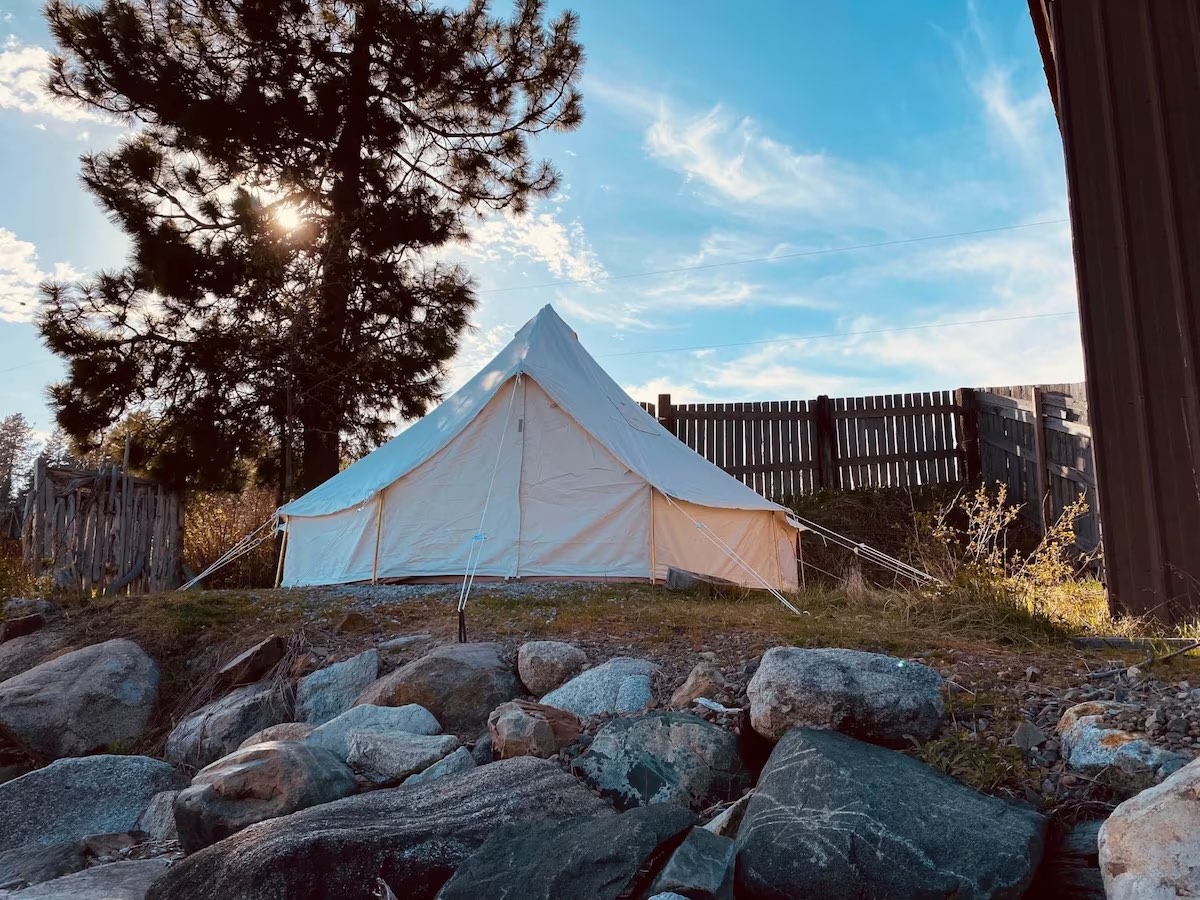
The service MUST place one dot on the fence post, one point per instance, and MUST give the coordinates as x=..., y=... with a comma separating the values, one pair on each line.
x=969, y=455
x=826, y=445
x=666, y=413
x=1039, y=451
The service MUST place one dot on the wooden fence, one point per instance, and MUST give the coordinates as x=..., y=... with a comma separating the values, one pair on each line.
x=787, y=448
x=102, y=531
x=1037, y=440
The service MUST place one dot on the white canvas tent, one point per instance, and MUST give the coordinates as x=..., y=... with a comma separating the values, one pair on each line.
x=540, y=466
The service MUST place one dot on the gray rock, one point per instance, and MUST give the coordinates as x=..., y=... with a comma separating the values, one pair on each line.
x=705, y=680
x=35, y=863
x=383, y=758
x=869, y=696
x=331, y=691
x=456, y=763
x=669, y=895
x=284, y=731
x=458, y=683
x=1126, y=761
x=1149, y=847
x=546, y=665
x=483, y=752
x=701, y=867
x=253, y=664
x=405, y=640
x=20, y=626
x=833, y=817
x=334, y=735
x=600, y=858
x=621, y=685
x=158, y=820
x=23, y=653
x=87, y=700
x=664, y=757
x=72, y=798
x=727, y=821
x=28, y=606
x=1028, y=737
x=523, y=728
x=256, y=784
x=127, y=880
x=413, y=837
x=217, y=729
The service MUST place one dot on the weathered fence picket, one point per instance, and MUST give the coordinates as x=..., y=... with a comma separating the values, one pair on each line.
x=102, y=531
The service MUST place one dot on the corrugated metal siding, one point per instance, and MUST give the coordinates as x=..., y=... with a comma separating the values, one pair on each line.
x=1128, y=77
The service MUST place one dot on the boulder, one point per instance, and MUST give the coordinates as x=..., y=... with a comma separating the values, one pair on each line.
x=413, y=837
x=458, y=683
x=621, y=685
x=705, y=680
x=1150, y=844
x=83, y=701
x=456, y=763
x=284, y=731
x=664, y=757
x=35, y=863
x=522, y=728
x=405, y=640
x=1126, y=761
x=23, y=653
x=869, y=696
x=255, y=784
x=128, y=880
x=21, y=626
x=217, y=729
x=382, y=758
x=329, y=692
x=158, y=819
x=701, y=868
x=254, y=664
x=601, y=858
x=834, y=817
x=545, y=665
x=15, y=607
x=482, y=751
x=334, y=735
x=72, y=798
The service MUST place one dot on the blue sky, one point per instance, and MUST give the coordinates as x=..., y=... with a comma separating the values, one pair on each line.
x=714, y=132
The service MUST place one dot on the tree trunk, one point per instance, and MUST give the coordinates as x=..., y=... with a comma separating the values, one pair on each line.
x=322, y=410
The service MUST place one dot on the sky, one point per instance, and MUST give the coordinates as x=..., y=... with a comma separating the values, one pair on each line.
x=729, y=155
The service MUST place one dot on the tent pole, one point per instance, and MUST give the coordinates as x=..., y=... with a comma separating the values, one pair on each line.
x=378, y=534
x=653, y=561
x=800, y=558
x=282, y=551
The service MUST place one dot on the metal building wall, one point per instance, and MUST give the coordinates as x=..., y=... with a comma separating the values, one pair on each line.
x=1125, y=75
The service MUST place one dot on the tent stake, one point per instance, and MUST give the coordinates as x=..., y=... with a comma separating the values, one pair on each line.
x=462, y=626
x=378, y=534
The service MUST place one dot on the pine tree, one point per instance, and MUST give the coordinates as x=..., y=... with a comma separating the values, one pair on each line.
x=16, y=456
x=294, y=163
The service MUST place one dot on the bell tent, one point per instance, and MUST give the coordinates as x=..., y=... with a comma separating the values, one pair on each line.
x=539, y=467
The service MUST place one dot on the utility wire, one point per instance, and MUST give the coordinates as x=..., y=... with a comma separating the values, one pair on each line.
x=760, y=259
x=837, y=334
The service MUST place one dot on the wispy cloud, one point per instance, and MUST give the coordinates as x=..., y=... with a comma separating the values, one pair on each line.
x=539, y=236
x=23, y=71
x=20, y=275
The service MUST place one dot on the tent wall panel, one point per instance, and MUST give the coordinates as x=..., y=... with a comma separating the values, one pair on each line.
x=333, y=549
x=582, y=511
x=756, y=537
x=431, y=516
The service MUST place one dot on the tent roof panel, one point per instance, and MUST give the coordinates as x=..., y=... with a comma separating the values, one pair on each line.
x=548, y=351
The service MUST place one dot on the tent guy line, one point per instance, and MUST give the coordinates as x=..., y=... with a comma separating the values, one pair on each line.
x=778, y=258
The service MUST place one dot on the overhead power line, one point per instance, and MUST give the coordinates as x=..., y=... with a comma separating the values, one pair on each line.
x=837, y=334
x=782, y=256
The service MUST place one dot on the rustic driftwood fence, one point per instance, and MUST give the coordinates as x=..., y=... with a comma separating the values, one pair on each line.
x=786, y=448
x=102, y=531
x=1037, y=440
